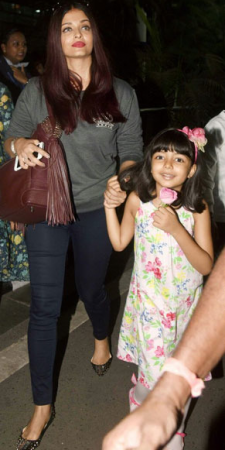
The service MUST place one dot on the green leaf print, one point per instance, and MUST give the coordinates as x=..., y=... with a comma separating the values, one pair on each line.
x=147, y=337
x=177, y=259
x=171, y=347
x=185, y=215
x=156, y=324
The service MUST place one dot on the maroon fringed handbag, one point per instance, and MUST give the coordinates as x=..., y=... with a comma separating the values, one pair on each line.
x=39, y=193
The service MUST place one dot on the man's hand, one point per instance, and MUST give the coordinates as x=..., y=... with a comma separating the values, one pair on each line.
x=152, y=425
x=19, y=75
x=147, y=428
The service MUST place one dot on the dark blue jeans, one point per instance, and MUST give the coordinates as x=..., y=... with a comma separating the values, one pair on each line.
x=47, y=248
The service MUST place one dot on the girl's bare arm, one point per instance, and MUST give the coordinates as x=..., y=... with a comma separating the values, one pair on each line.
x=121, y=234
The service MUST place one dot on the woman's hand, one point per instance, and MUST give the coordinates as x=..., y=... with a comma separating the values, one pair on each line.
x=20, y=75
x=165, y=218
x=25, y=149
x=113, y=195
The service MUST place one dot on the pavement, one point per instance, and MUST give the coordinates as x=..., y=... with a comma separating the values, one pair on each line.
x=87, y=406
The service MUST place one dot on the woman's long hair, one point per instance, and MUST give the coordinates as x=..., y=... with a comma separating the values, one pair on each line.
x=99, y=100
x=138, y=178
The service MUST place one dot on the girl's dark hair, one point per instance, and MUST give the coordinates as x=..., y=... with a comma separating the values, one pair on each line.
x=99, y=99
x=138, y=178
x=5, y=37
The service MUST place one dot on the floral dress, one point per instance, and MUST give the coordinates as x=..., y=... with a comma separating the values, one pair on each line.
x=13, y=253
x=163, y=294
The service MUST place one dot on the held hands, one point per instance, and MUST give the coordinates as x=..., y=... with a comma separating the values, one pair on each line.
x=113, y=195
x=20, y=75
x=165, y=218
x=25, y=149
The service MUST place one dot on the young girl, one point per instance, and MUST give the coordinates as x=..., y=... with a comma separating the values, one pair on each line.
x=173, y=250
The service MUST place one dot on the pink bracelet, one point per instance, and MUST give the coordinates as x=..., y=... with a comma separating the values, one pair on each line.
x=178, y=368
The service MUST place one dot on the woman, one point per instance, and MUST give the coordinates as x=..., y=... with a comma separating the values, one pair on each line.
x=13, y=252
x=12, y=68
x=100, y=119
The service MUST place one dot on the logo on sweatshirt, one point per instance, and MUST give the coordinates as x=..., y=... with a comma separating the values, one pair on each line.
x=107, y=123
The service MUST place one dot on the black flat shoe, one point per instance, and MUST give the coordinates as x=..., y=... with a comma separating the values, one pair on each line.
x=26, y=444
x=101, y=369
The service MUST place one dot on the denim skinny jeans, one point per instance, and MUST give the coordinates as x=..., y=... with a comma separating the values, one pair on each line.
x=47, y=249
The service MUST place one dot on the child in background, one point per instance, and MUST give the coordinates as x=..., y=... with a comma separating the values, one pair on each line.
x=173, y=250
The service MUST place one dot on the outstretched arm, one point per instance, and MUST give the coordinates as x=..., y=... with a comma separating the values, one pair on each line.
x=153, y=424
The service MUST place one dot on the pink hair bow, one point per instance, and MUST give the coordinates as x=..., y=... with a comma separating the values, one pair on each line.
x=197, y=136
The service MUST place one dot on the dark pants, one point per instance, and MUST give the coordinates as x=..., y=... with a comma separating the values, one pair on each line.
x=47, y=249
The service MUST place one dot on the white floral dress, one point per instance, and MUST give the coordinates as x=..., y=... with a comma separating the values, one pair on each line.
x=163, y=294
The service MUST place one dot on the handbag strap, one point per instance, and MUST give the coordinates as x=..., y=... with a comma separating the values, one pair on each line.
x=56, y=128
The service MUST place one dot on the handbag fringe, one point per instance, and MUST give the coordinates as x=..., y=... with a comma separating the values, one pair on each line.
x=59, y=206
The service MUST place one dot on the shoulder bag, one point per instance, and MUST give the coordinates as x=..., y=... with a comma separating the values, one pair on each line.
x=38, y=194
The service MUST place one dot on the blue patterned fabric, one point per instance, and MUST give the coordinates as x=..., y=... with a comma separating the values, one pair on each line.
x=13, y=252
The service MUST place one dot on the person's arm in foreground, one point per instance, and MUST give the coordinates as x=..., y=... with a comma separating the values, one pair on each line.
x=152, y=425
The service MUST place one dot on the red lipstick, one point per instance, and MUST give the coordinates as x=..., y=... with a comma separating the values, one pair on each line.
x=78, y=44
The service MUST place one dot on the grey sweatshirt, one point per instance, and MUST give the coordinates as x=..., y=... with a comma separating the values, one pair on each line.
x=91, y=149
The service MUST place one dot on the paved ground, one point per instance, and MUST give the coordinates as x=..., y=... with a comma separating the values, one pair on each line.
x=87, y=406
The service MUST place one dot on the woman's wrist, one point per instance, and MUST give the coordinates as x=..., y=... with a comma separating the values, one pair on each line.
x=15, y=146
x=12, y=147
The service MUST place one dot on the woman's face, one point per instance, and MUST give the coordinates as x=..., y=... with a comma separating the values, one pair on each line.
x=16, y=48
x=76, y=36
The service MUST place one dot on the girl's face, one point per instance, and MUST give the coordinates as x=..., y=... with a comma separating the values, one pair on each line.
x=16, y=48
x=171, y=169
x=76, y=36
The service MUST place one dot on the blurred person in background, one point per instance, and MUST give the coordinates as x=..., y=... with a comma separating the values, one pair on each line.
x=14, y=271
x=214, y=177
x=13, y=68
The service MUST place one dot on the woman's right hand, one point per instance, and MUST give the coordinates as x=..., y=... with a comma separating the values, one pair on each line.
x=25, y=149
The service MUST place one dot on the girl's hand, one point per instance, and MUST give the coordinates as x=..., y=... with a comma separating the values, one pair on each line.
x=165, y=218
x=25, y=149
x=113, y=194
